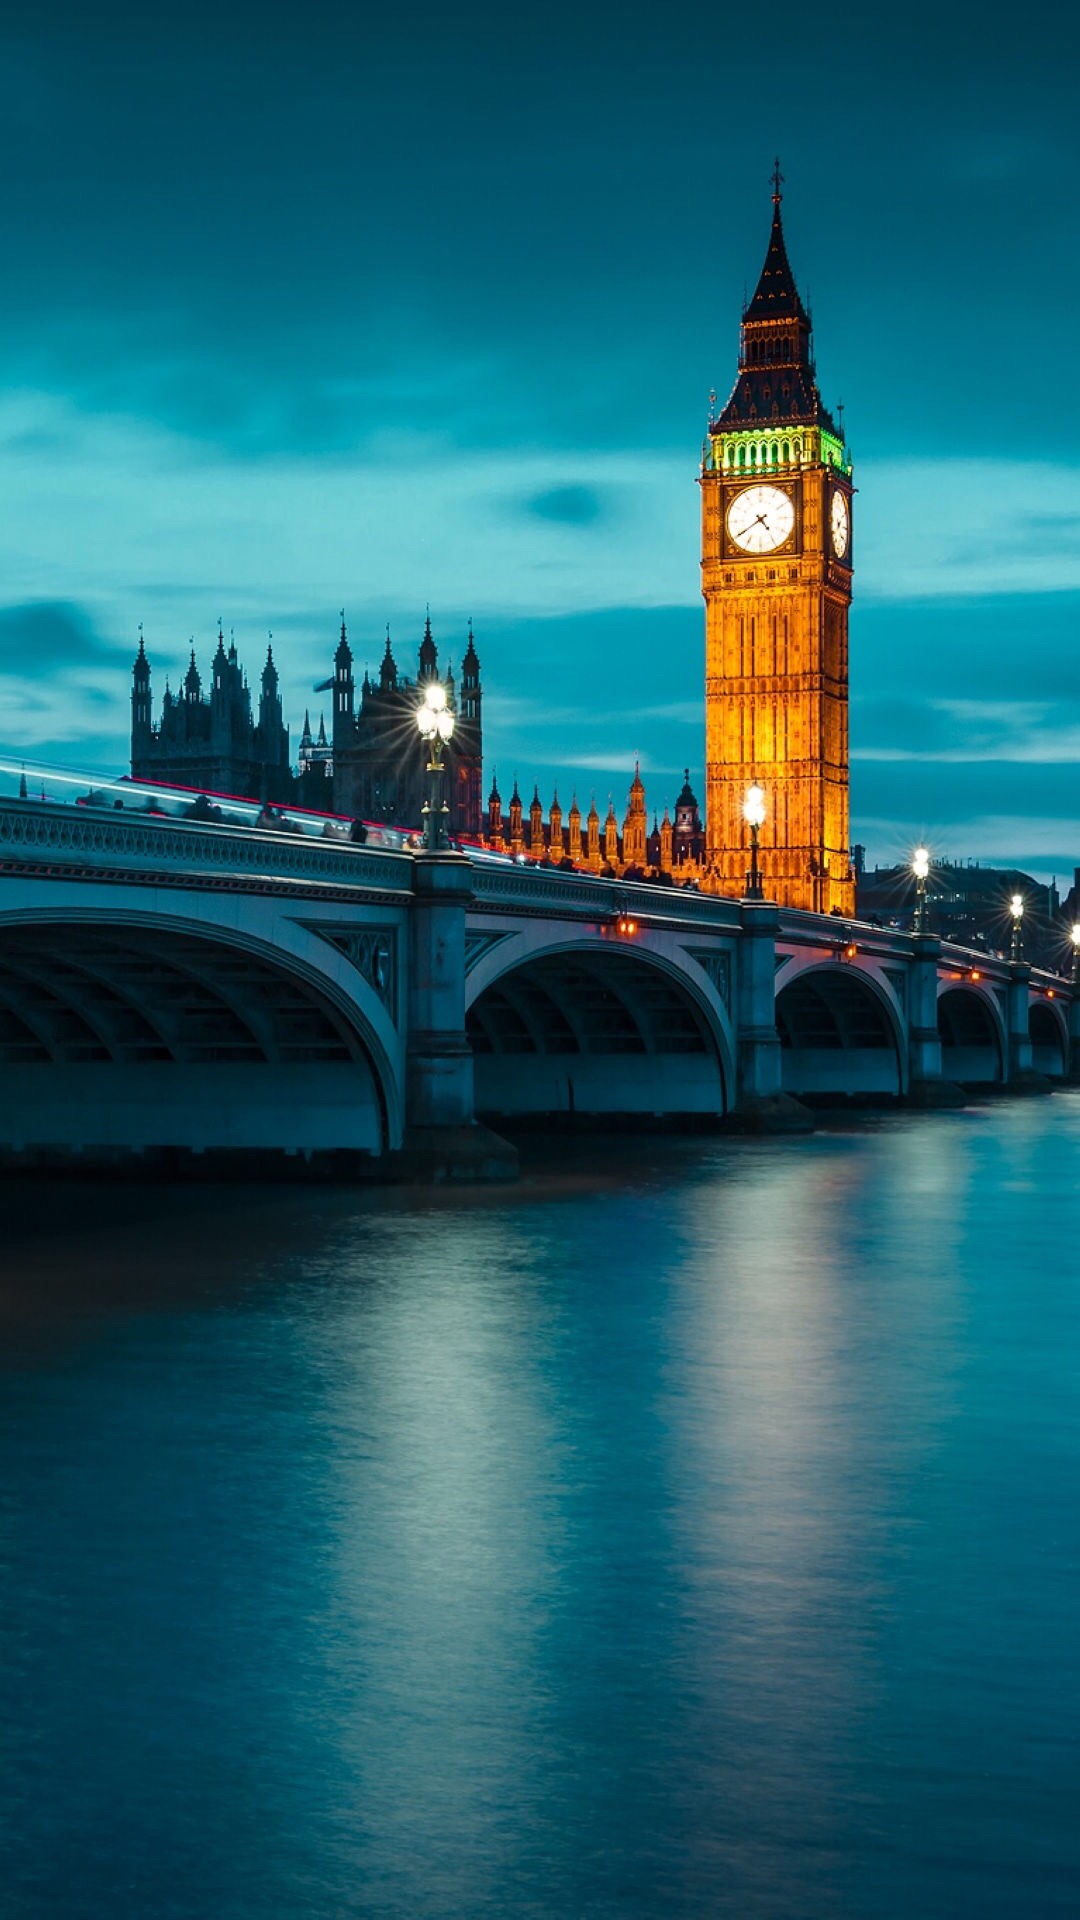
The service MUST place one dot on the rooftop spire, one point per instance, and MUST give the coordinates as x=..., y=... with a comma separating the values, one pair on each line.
x=777, y=296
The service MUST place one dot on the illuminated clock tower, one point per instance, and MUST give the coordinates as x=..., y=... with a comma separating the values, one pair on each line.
x=776, y=493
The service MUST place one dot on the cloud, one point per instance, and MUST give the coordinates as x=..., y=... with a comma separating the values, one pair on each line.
x=959, y=732
x=945, y=528
x=568, y=506
x=40, y=636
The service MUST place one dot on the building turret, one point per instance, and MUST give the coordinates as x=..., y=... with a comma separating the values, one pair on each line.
x=142, y=716
x=344, y=693
x=303, y=761
x=652, y=846
x=574, y=823
x=270, y=698
x=388, y=669
x=537, y=844
x=429, y=655
x=494, y=819
x=635, y=825
x=556, y=849
x=517, y=840
x=665, y=843
x=222, y=678
x=593, y=839
x=192, y=682
x=470, y=683
x=689, y=836
x=611, y=836
x=272, y=735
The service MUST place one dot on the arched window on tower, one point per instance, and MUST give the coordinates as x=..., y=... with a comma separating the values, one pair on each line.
x=785, y=452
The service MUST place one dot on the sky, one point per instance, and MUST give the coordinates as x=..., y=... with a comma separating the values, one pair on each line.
x=334, y=306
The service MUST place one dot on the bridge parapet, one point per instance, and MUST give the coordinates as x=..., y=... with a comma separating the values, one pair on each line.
x=559, y=896
x=58, y=838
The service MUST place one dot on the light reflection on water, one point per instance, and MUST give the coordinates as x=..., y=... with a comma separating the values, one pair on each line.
x=691, y=1531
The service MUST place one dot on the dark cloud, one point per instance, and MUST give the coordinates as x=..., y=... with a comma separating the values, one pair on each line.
x=41, y=637
x=568, y=506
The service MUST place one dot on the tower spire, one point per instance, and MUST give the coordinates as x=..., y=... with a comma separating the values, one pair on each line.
x=776, y=296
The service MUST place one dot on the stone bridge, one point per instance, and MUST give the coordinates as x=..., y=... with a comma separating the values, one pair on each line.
x=170, y=986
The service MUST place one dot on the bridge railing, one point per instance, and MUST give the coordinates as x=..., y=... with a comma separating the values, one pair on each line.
x=36, y=834
x=530, y=888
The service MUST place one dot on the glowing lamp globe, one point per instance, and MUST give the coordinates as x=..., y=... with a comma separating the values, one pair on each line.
x=433, y=716
x=754, y=806
x=920, y=863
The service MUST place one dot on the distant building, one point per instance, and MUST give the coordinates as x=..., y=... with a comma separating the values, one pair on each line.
x=378, y=761
x=968, y=903
x=212, y=743
x=670, y=852
x=372, y=768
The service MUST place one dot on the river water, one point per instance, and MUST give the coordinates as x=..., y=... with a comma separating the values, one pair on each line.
x=692, y=1530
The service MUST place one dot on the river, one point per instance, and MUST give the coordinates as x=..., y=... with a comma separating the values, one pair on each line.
x=692, y=1530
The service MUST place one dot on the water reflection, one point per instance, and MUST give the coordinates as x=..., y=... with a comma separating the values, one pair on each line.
x=686, y=1533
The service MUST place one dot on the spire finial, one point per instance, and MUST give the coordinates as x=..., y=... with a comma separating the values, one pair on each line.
x=777, y=183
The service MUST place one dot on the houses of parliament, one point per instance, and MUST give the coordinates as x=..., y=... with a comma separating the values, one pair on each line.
x=776, y=575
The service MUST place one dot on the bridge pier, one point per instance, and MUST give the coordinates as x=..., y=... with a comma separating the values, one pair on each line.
x=927, y=1086
x=1074, y=1034
x=1022, y=1077
x=442, y=1140
x=762, y=1106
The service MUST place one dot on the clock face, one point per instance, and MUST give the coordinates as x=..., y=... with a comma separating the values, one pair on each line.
x=760, y=519
x=840, y=525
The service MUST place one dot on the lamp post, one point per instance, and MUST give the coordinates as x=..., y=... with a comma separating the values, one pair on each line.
x=1076, y=954
x=1016, y=908
x=920, y=867
x=436, y=724
x=754, y=815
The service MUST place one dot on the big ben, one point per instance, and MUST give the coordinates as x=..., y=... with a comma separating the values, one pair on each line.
x=776, y=565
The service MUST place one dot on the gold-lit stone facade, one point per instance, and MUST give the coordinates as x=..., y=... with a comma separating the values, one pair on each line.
x=777, y=490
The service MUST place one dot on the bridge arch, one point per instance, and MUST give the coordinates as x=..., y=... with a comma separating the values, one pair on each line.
x=840, y=1034
x=586, y=1025
x=974, y=1049
x=1049, y=1032
x=128, y=1030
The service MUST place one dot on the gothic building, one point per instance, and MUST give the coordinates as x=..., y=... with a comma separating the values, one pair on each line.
x=672, y=851
x=776, y=486
x=372, y=768
x=212, y=743
x=378, y=763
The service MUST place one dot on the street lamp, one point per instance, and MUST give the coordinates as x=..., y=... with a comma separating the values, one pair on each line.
x=1016, y=908
x=754, y=815
x=1076, y=953
x=920, y=867
x=436, y=724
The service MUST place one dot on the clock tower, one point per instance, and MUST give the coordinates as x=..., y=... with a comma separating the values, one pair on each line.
x=776, y=492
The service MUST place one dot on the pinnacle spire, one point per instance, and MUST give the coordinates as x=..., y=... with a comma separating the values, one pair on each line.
x=776, y=296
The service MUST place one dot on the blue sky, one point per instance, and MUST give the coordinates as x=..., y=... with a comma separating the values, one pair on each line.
x=425, y=305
